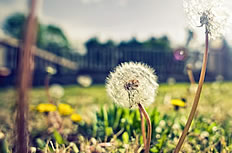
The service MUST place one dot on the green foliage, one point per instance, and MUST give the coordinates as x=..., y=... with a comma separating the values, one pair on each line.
x=124, y=124
x=125, y=138
x=92, y=43
x=40, y=143
x=161, y=43
x=52, y=38
x=3, y=146
x=14, y=24
x=59, y=139
x=49, y=37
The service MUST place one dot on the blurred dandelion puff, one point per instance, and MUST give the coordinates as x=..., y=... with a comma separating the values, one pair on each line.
x=158, y=129
x=84, y=80
x=56, y=91
x=132, y=83
x=208, y=13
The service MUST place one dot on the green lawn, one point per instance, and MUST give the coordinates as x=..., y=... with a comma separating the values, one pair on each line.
x=215, y=99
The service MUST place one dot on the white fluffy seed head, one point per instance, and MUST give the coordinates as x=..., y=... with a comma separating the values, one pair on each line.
x=208, y=13
x=132, y=83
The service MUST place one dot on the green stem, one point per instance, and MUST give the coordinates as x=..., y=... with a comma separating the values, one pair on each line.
x=197, y=96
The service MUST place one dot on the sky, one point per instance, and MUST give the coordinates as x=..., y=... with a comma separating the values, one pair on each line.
x=111, y=19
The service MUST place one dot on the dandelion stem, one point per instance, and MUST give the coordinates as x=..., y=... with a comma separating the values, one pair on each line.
x=190, y=75
x=197, y=96
x=149, y=129
x=24, y=81
x=143, y=127
x=46, y=82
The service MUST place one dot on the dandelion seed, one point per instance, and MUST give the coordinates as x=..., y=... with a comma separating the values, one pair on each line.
x=208, y=13
x=132, y=83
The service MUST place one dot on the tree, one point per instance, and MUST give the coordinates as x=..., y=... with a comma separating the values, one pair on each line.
x=133, y=43
x=109, y=44
x=14, y=24
x=161, y=44
x=52, y=38
x=52, y=34
x=49, y=37
x=92, y=43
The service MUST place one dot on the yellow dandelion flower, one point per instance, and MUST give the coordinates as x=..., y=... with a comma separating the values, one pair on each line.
x=42, y=108
x=178, y=102
x=65, y=109
x=76, y=117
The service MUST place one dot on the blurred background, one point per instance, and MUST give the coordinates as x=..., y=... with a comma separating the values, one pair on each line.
x=90, y=37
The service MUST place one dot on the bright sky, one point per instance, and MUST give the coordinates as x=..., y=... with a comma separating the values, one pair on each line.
x=112, y=19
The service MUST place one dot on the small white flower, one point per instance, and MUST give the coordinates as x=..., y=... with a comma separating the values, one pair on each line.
x=56, y=91
x=157, y=136
x=84, y=80
x=214, y=129
x=51, y=70
x=204, y=134
x=176, y=126
x=162, y=123
x=208, y=13
x=132, y=83
x=158, y=129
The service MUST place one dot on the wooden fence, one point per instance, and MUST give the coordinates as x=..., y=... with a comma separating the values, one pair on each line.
x=99, y=61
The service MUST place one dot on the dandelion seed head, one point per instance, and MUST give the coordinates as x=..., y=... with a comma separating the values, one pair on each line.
x=162, y=123
x=132, y=83
x=84, y=80
x=158, y=129
x=208, y=13
x=56, y=91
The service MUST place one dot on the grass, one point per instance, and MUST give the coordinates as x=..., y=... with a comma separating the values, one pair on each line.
x=214, y=109
x=215, y=100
